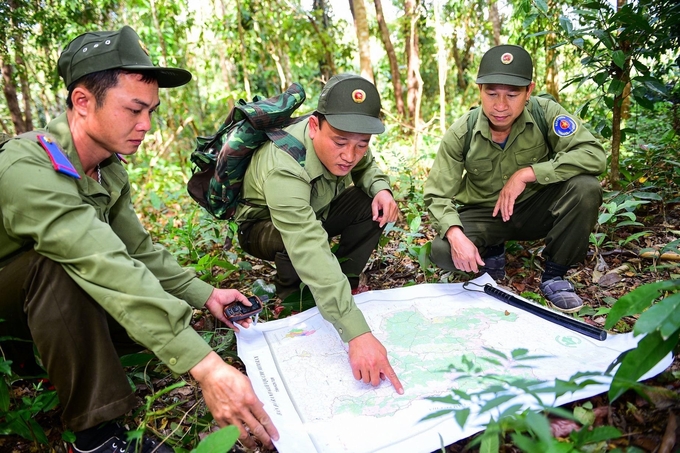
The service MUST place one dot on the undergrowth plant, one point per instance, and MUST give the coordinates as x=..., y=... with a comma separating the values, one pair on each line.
x=658, y=325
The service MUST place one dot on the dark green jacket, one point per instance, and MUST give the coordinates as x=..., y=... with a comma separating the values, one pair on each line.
x=477, y=178
x=93, y=231
x=282, y=191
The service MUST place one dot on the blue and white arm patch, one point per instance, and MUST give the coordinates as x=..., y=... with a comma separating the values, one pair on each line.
x=59, y=160
x=564, y=126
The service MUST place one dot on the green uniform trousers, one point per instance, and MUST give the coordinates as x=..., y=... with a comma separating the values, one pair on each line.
x=563, y=213
x=350, y=216
x=77, y=341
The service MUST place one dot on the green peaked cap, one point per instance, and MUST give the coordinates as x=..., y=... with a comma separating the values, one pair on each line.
x=506, y=64
x=101, y=50
x=351, y=103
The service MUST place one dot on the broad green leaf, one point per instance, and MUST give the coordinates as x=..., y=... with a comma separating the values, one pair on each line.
x=218, y=442
x=518, y=353
x=490, y=443
x=616, y=87
x=5, y=366
x=438, y=414
x=527, y=444
x=542, y=5
x=461, y=416
x=650, y=350
x=515, y=409
x=566, y=25
x=601, y=433
x=664, y=316
x=638, y=300
x=495, y=402
x=619, y=58
x=584, y=416
x=496, y=352
x=539, y=425
x=647, y=196
x=4, y=397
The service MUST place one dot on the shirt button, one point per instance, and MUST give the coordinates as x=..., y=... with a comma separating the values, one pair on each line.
x=533, y=160
x=340, y=331
x=547, y=179
x=172, y=361
x=505, y=176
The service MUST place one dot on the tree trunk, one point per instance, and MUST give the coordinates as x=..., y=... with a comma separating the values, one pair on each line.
x=226, y=64
x=358, y=9
x=495, y=19
x=463, y=58
x=625, y=107
x=22, y=121
x=244, y=54
x=10, y=91
x=327, y=65
x=414, y=83
x=623, y=76
x=614, y=175
x=552, y=81
x=442, y=65
x=391, y=57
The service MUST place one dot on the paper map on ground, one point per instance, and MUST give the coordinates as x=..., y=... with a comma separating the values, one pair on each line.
x=299, y=368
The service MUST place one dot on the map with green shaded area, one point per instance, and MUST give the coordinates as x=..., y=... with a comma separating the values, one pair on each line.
x=421, y=350
x=299, y=368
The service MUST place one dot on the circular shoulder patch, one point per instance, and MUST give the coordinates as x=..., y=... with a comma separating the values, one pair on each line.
x=564, y=126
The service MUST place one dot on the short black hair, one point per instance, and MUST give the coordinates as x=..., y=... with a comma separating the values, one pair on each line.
x=98, y=83
x=321, y=117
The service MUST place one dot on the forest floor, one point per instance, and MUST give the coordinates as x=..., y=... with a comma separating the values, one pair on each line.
x=650, y=424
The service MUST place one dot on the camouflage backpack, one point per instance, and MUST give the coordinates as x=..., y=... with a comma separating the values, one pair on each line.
x=221, y=160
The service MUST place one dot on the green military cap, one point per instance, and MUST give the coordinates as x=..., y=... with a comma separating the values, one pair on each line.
x=506, y=64
x=122, y=49
x=351, y=103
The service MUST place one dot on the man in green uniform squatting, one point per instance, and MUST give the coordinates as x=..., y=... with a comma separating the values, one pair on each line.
x=81, y=277
x=511, y=184
x=293, y=209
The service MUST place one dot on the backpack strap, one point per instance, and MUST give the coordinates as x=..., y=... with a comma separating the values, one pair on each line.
x=537, y=114
x=288, y=143
x=472, y=119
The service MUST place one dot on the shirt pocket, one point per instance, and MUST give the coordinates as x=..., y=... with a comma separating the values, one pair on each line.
x=531, y=156
x=478, y=167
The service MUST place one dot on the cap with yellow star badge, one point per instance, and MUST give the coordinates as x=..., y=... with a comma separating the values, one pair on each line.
x=351, y=103
x=506, y=64
x=101, y=50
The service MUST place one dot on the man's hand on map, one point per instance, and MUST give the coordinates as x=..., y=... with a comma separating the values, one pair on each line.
x=232, y=401
x=368, y=359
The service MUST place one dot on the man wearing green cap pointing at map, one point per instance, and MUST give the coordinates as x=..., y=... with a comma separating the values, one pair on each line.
x=79, y=274
x=294, y=209
x=524, y=169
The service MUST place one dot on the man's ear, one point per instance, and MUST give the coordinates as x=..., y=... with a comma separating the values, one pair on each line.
x=530, y=89
x=82, y=99
x=313, y=126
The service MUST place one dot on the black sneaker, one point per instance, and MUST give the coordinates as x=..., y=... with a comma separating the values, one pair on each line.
x=119, y=444
x=494, y=266
x=561, y=295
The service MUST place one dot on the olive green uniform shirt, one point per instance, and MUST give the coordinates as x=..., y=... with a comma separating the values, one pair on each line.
x=297, y=199
x=477, y=179
x=93, y=231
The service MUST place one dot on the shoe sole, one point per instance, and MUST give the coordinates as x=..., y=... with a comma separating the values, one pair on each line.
x=566, y=310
